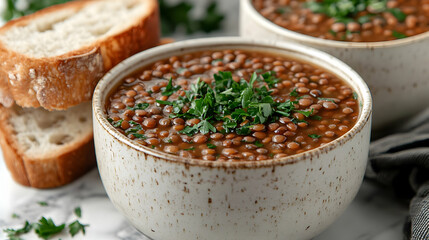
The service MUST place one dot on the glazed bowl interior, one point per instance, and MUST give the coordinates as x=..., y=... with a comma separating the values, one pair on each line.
x=294, y=51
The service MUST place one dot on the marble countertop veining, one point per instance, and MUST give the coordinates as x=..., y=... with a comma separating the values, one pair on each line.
x=373, y=215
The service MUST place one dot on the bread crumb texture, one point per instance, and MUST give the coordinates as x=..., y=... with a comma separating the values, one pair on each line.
x=41, y=133
x=70, y=29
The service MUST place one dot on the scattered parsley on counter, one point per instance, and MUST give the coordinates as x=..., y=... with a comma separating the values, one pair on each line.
x=46, y=228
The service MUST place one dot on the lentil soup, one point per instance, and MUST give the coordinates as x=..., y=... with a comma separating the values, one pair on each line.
x=349, y=20
x=232, y=105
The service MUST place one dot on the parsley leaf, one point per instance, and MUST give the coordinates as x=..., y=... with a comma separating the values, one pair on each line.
x=75, y=227
x=190, y=149
x=398, y=35
x=165, y=102
x=139, y=106
x=15, y=233
x=314, y=136
x=78, y=212
x=294, y=93
x=211, y=146
x=46, y=228
x=398, y=14
x=305, y=113
x=138, y=135
x=117, y=123
x=259, y=144
x=43, y=204
x=169, y=89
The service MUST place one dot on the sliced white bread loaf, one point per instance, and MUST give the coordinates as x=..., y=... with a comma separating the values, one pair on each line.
x=55, y=57
x=44, y=149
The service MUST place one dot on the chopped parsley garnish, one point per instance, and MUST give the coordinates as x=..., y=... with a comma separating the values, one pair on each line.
x=138, y=135
x=75, y=227
x=355, y=96
x=139, y=106
x=398, y=14
x=327, y=99
x=135, y=127
x=78, y=212
x=44, y=204
x=398, y=35
x=211, y=146
x=237, y=104
x=259, y=144
x=164, y=102
x=189, y=149
x=305, y=113
x=314, y=136
x=45, y=228
x=16, y=233
x=294, y=93
x=316, y=117
x=345, y=11
x=169, y=89
x=14, y=215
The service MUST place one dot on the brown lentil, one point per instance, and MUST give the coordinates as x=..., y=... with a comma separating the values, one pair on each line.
x=381, y=26
x=277, y=139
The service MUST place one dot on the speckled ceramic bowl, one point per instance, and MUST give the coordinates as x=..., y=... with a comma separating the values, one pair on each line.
x=171, y=197
x=397, y=71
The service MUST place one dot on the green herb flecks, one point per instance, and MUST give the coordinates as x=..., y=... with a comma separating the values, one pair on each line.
x=43, y=204
x=398, y=35
x=78, y=212
x=346, y=11
x=76, y=227
x=169, y=89
x=190, y=149
x=211, y=146
x=46, y=228
x=237, y=104
x=314, y=136
x=398, y=14
x=259, y=144
x=16, y=233
x=139, y=106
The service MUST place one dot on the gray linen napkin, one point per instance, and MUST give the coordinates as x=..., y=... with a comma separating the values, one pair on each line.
x=401, y=160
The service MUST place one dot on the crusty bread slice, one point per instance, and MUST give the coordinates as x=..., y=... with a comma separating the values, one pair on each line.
x=55, y=57
x=44, y=149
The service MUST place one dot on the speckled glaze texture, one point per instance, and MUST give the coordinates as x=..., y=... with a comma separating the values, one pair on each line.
x=169, y=197
x=396, y=71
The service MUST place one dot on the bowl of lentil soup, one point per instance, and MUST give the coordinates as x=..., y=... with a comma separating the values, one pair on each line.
x=385, y=41
x=214, y=148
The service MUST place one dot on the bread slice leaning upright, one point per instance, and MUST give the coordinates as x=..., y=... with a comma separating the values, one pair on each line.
x=55, y=57
x=44, y=149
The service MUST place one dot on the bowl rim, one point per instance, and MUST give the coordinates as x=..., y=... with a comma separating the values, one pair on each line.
x=111, y=80
x=246, y=5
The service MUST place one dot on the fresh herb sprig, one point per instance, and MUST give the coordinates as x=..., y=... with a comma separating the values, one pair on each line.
x=239, y=105
x=46, y=228
x=346, y=10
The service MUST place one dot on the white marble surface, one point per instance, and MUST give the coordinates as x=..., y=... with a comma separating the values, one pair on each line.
x=373, y=215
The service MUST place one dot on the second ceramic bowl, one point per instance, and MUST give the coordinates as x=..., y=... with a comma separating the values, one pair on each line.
x=395, y=71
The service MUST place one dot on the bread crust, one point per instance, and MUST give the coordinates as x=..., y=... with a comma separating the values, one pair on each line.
x=60, y=82
x=54, y=170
